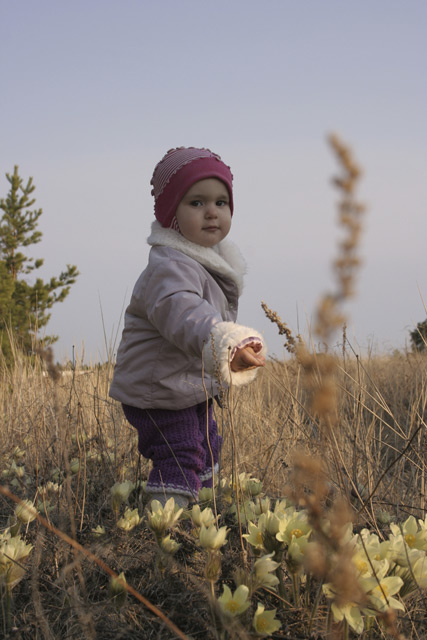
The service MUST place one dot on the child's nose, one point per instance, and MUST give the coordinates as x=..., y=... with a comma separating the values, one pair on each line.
x=211, y=211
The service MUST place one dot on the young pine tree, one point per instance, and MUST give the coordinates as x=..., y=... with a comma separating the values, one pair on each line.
x=419, y=336
x=24, y=301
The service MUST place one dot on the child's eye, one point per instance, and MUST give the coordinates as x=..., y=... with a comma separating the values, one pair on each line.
x=196, y=203
x=221, y=203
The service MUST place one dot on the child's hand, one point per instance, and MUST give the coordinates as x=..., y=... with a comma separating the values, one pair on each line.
x=246, y=359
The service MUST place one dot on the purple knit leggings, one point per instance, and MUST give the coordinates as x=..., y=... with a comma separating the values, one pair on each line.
x=179, y=443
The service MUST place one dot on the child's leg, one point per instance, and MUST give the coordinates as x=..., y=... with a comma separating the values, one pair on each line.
x=211, y=442
x=172, y=440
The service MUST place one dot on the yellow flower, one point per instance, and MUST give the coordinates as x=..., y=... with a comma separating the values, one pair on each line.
x=415, y=577
x=414, y=538
x=233, y=604
x=401, y=553
x=270, y=523
x=254, y=537
x=226, y=490
x=261, y=505
x=25, y=511
x=130, y=519
x=351, y=613
x=420, y=572
x=296, y=552
x=98, y=531
x=348, y=611
x=247, y=512
x=242, y=481
x=264, y=622
x=51, y=487
x=120, y=492
x=380, y=590
x=169, y=546
x=17, y=470
x=117, y=590
x=284, y=508
x=295, y=527
x=199, y=517
x=13, y=551
x=263, y=568
x=161, y=518
x=211, y=538
x=344, y=531
x=116, y=584
x=423, y=523
x=254, y=486
x=375, y=549
x=18, y=454
x=205, y=494
x=369, y=559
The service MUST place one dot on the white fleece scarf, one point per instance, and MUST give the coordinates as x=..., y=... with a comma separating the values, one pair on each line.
x=224, y=258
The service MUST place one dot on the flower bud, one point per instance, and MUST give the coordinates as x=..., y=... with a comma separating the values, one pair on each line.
x=25, y=511
x=120, y=492
x=130, y=519
x=205, y=494
x=75, y=465
x=211, y=538
x=118, y=591
x=169, y=546
x=98, y=531
x=213, y=566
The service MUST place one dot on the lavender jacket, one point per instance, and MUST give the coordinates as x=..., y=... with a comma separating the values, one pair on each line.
x=180, y=324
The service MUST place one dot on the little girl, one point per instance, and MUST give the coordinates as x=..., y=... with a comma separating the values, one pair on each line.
x=180, y=326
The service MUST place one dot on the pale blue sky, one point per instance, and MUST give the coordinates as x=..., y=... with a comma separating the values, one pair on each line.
x=94, y=92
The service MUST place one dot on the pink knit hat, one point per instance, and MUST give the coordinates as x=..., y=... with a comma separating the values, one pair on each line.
x=177, y=171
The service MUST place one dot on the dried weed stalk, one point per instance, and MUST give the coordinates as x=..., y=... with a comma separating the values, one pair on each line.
x=330, y=557
x=321, y=370
x=290, y=344
x=350, y=210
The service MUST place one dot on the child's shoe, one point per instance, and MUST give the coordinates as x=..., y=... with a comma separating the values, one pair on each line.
x=180, y=499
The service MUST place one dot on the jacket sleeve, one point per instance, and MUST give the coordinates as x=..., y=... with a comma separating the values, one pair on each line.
x=224, y=338
x=175, y=306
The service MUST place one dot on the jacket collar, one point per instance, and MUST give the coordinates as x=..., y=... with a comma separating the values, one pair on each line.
x=224, y=259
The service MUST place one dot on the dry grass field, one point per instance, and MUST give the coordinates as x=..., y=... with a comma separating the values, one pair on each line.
x=69, y=433
x=317, y=527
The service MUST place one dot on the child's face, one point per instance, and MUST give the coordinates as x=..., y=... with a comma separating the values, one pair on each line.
x=204, y=215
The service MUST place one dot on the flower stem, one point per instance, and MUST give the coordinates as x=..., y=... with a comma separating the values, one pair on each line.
x=315, y=605
x=282, y=590
x=369, y=626
x=329, y=622
x=345, y=630
x=5, y=607
x=295, y=589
